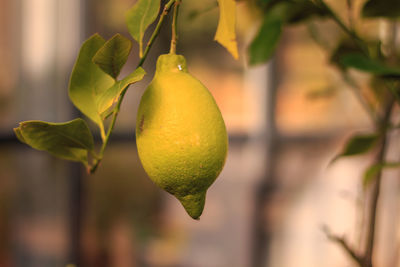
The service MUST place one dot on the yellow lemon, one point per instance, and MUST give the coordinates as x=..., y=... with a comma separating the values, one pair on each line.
x=180, y=133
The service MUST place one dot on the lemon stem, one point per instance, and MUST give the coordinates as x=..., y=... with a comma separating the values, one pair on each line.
x=115, y=112
x=174, y=38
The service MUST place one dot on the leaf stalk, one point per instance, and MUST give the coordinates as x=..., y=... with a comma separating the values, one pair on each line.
x=117, y=108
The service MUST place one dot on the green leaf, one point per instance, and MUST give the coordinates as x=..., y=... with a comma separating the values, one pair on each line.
x=109, y=97
x=139, y=17
x=363, y=63
x=88, y=81
x=344, y=47
x=112, y=56
x=264, y=44
x=226, y=32
x=18, y=134
x=358, y=145
x=69, y=140
x=381, y=8
x=371, y=173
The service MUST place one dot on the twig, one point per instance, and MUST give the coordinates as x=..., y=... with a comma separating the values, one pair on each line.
x=118, y=106
x=342, y=25
x=156, y=31
x=343, y=243
x=368, y=107
x=336, y=18
x=376, y=188
x=174, y=38
x=393, y=91
x=365, y=259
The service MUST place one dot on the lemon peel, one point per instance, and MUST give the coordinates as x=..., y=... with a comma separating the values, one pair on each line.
x=180, y=133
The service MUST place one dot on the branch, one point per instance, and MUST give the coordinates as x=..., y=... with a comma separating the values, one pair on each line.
x=383, y=127
x=156, y=31
x=365, y=259
x=380, y=158
x=343, y=243
x=351, y=32
x=364, y=102
x=118, y=106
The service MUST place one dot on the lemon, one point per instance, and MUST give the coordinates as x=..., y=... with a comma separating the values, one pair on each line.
x=180, y=133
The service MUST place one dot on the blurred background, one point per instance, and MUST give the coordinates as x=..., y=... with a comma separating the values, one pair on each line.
x=286, y=121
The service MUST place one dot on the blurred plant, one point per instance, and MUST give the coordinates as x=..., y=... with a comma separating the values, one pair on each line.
x=377, y=56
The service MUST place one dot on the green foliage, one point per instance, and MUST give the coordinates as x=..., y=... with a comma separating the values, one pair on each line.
x=277, y=15
x=372, y=171
x=112, y=56
x=93, y=86
x=358, y=145
x=363, y=63
x=88, y=81
x=70, y=140
x=345, y=47
x=377, y=56
x=139, y=18
x=109, y=97
x=264, y=44
x=382, y=8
